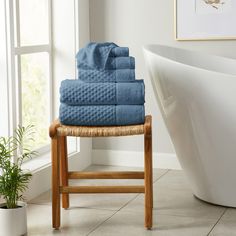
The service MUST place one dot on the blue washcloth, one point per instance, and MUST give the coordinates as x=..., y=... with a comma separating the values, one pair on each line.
x=96, y=55
x=75, y=92
x=122, y=75
x=106, y=115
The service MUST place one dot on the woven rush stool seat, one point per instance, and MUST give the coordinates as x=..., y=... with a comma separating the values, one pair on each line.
x=61, y=175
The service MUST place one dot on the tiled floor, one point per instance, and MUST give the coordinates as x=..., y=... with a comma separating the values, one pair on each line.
x=176, y=211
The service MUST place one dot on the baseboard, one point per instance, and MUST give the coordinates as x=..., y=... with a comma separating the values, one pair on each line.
x=134, y=159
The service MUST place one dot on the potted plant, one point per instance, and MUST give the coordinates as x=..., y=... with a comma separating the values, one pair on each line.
x=14, y=181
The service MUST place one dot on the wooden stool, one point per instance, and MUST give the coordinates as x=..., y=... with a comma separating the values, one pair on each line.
x=61, y=175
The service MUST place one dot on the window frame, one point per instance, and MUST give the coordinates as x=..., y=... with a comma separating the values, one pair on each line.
x=13, y=90
x=14, y=67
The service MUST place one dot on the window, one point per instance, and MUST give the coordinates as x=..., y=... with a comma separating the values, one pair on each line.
x=28, y=63
x=33, y=60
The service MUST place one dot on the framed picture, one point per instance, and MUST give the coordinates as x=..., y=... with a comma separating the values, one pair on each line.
x=205, y=19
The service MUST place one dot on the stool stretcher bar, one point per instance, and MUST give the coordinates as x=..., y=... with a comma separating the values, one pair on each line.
x=103, y=189
x=106, y=175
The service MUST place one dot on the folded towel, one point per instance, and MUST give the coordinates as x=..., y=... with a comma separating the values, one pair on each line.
x=119, y=52
x=113, y=63
x=94, y=55
x=122, y=75
x=75, y=92
x=101, y=115
x=120, y=63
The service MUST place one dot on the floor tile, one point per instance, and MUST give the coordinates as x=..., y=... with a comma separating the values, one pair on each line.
x=96, y=201
x=230, y=214
x=132, y=224
x=73, y=222
x=227, y=224
x=224, y=228
x=172, y=196
x=176, y=210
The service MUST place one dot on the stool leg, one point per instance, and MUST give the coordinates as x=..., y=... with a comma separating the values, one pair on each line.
x=55, y=183
x=148, y=180
x=64, y=170
x=152, y=182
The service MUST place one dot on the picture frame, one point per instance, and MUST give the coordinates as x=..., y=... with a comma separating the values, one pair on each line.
x=204, y=20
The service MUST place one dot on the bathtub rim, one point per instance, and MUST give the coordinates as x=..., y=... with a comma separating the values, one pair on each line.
x=148, y=48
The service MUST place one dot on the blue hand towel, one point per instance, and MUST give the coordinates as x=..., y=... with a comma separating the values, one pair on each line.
x=113, y=63
x=102, y=115
x=120, y=63
x=119, y=52
x=75, y=92
x=122, y=75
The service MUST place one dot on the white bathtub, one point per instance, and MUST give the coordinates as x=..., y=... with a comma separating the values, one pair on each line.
x=196, y=94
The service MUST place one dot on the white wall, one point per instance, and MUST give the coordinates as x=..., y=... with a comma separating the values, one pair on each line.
x=135, y=23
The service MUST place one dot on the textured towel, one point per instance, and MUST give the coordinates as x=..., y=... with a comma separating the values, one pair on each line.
x=112, y=63
x=94, y=55
x=119, y=52
x=122, y=75
x=120, y=63
x=75, y=92
x=101, y=115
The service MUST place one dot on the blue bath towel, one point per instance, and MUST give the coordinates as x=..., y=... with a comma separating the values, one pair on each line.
x=96, y=55
x=92, y=76
x=106, y=115
x=75, y=92
x=112, y=63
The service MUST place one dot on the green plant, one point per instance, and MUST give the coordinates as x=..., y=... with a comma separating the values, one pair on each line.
x=13, y=180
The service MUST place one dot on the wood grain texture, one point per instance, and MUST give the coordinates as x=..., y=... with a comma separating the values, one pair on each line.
x=55, y=183
x=103, y=189
x=148, y=173
x=53, y=128
x=64, y=170
x=106, y=175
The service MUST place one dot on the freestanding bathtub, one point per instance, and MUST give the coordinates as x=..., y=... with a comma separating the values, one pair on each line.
x=196, y=94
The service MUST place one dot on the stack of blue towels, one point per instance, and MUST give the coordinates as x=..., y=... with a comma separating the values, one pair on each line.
x=106, y=92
